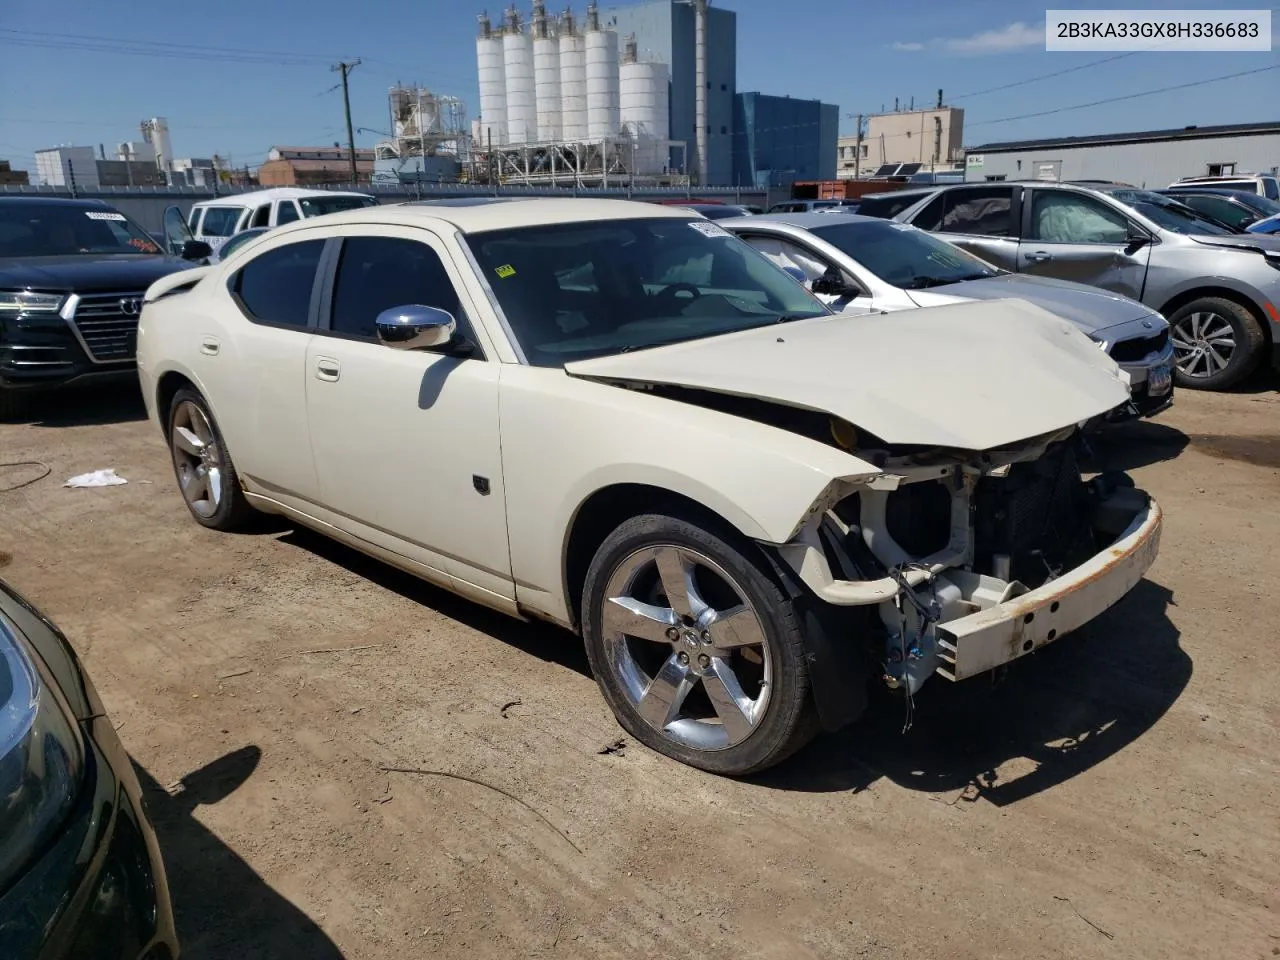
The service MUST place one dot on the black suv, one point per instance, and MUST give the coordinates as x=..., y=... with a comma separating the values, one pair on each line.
x=72, y=276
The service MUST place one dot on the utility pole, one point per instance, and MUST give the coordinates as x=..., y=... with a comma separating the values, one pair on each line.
x=345, y=67
x=857, y=152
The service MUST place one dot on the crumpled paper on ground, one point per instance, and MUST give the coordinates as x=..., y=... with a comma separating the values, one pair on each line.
x=98, y=478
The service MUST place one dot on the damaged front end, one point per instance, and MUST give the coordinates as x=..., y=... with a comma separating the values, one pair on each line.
x=971, y=560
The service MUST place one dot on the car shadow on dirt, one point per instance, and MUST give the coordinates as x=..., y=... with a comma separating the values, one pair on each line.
x=83, y=406
x=222, y=907
x=542, y=640
x=1137, y=443
x=1052, y=716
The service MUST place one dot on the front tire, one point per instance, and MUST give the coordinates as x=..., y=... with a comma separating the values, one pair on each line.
x=203, y=468
x=1216, y=343
x=694, y=648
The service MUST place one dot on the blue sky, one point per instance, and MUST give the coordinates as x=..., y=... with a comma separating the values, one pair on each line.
x=268, y=82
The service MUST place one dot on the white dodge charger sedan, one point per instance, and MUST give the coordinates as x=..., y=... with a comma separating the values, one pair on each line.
x=618, y=417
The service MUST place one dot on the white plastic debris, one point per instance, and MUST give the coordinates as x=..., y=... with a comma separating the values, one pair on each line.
x=98, y=478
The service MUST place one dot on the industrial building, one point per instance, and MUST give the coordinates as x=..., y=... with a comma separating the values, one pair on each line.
x=428, y=141
x=83, y=167
x=1152, y=158
x=641, y=94
x=779, y=140
x=932, y=138
x=306, y=166
x=10, y=176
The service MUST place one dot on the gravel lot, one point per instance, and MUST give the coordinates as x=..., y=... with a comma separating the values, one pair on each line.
x=1115, y=796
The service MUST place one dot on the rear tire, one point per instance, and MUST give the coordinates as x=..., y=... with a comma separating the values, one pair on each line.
x=1216, y=343
x=202, y=465
x=715, y=677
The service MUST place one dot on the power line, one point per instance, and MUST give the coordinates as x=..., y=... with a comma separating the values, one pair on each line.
x=1127, y=96
x=1044, y=76
x=152, y=48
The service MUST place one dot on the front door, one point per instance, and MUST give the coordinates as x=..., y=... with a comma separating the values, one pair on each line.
x=176, y=231
x=1073, y=236
x=405, y=442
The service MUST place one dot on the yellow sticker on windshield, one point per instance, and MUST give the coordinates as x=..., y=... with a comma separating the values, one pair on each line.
x=506, y=270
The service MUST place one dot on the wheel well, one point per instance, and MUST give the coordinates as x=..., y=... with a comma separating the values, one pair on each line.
x=1222, y=293
x=605, y=510
x=170, y=383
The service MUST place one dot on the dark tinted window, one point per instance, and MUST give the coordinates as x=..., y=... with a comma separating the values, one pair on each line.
x=262, y=216
x=1271, y=188
x=275, y=287
x=980, y=211
x=1220, y=208
x=318, y=206
x=929, y=217
x=286, y=212
x=378, y=273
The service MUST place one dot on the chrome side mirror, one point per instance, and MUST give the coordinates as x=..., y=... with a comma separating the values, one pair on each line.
x=415, y=327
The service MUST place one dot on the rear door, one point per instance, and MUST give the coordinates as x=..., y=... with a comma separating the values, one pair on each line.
x=980, y=219
x=1075, y=236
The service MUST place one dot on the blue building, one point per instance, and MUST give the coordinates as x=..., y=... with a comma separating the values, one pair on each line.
x=664, y=31
x=779, y=140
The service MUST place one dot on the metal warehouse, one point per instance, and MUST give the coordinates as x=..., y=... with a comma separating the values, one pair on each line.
x=1154, y=158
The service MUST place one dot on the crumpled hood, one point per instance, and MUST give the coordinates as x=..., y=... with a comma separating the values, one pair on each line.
x=1088, y=308
x=971, y=376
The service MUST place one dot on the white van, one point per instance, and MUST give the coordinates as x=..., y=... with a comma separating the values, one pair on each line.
x=214, y=220
x=1263, y=184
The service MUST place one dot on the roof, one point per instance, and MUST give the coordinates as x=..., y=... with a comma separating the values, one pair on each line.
x=1143, y=136
x=508, y=214
x=58, y=201
x=275, y=193
x=805, y=221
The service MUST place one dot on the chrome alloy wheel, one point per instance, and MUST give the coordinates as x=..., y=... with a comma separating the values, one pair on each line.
x=197, y=458
x=696, y=670
x=1203, y=344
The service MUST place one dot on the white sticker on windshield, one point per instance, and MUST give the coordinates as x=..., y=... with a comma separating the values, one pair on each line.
x=103, y=215
x=708, y=229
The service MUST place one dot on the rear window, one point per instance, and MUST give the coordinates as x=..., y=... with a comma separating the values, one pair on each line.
x=888, y=206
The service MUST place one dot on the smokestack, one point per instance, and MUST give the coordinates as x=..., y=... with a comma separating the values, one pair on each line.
x=700, y=94
x=895, y=104
x=939, y=99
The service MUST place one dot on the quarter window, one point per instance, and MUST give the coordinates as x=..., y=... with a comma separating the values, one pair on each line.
x=1058, y=217
x=378, y=273
x=275, y=287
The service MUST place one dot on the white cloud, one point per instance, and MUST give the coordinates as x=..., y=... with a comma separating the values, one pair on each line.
x=1014, y=36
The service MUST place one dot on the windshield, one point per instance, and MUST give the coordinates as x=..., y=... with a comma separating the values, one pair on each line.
x=35, y=229
x=902, y=255
x=579, y=290
x=318, y=206
x=1170, y=214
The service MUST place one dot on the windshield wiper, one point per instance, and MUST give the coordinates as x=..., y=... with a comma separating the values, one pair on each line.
x=920, y=283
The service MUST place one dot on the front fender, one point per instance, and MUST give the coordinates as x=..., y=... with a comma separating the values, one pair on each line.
x=564, y=439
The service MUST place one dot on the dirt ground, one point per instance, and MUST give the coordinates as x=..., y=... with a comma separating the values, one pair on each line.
x=1117, y=795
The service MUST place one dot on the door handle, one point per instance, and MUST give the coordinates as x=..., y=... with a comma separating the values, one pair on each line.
x=1039, y=256
x=209, y=346
x=328, y=369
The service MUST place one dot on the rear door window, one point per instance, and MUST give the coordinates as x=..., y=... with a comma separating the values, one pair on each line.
x=978, y=211
x=275, y=287
x=286, y=212
x=262, y=216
